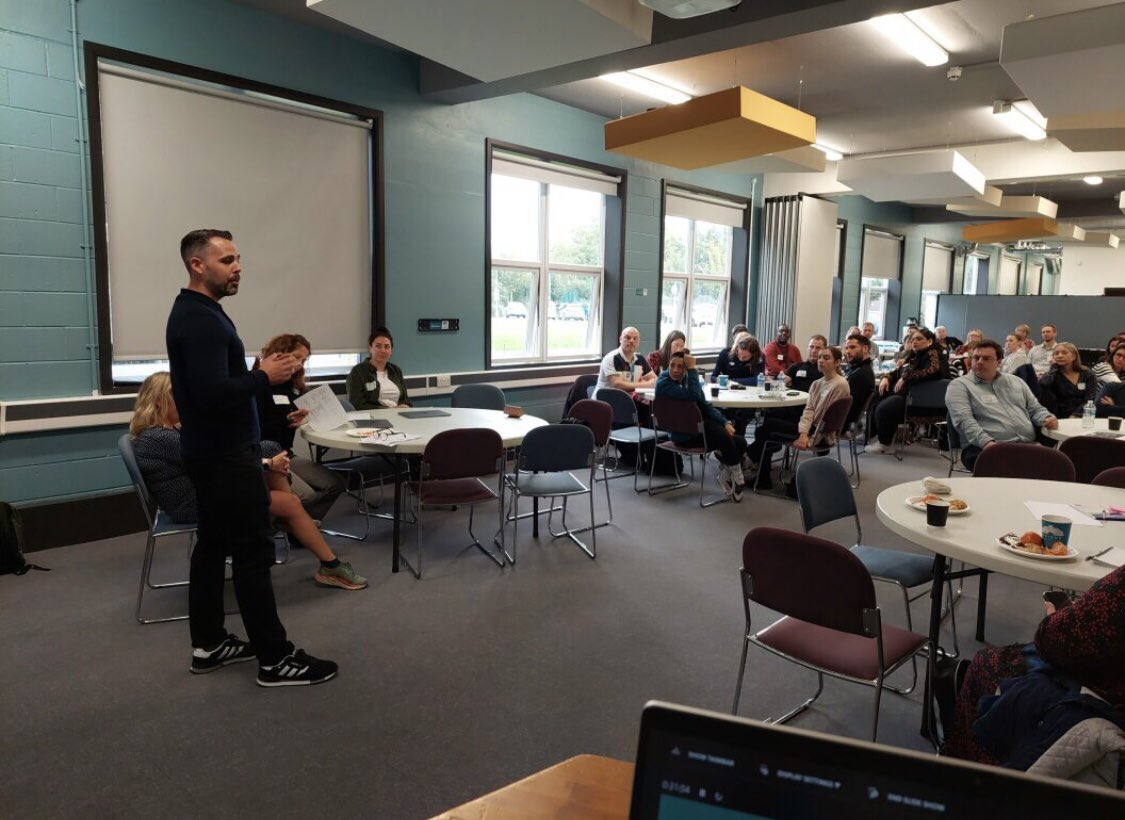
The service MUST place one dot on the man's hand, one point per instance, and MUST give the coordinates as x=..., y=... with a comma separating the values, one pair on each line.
x=689, y=361
x=1051, y=423
x=297, y=418
x=730, y=429
x=279, y=367
x=802, y=442
x=647, y=378
x=279, y=464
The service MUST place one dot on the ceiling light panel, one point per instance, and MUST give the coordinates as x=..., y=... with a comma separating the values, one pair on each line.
x=646, y=87
x=1018, y=121
x=1093, y=180
x=830, y=154
x=909, y=37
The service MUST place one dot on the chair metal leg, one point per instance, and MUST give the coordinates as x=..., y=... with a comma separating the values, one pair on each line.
x=702, y=479
x=741, y=673
x=417, y=573
x=792, y=713
x=146, y=570
x=677, y=484
x=878, y=697
x=913, y=661
x=497, y=559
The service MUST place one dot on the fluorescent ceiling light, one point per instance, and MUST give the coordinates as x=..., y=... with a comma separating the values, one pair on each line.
x=1018, y=120
x=829, y=153
x=643, y=85
x=907, y=35
x=1092, y=180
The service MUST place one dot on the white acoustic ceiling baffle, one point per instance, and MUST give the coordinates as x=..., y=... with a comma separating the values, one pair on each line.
x=494, y=39
x=1070, y=235
x=907, y=177
x=990, y=196
x=1069, y=63
x=1089, y=132
x=1010, y=206
x=1102, y=239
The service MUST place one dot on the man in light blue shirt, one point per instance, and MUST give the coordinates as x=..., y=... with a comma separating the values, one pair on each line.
x=987, y=406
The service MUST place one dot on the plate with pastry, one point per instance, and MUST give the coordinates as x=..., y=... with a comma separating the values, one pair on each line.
x=1030, y=545
x=957, y=506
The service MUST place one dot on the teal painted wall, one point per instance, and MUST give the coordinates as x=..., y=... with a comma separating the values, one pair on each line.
x=433, y=177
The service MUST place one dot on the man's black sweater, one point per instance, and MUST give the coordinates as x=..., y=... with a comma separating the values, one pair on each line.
x=215, y=393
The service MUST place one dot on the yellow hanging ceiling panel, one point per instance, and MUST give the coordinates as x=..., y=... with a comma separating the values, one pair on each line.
x=1010, y=230
x=722, y=127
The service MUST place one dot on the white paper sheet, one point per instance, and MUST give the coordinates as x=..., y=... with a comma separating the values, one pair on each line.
x=325, y=410
x=1077, y=517
x=1115, y=557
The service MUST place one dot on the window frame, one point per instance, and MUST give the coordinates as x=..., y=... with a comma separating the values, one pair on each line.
x=611, y=273
x=894, y=284
x=736, y=285
x=945, y=246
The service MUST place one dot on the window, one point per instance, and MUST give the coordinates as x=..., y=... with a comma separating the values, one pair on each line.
x=937, y=277
x=698, y=259
x=547, y=270
x=976, y=274
x=1010, y=269
x=881, y=265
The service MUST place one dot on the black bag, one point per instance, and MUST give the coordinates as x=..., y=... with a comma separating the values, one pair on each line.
x=11, y=541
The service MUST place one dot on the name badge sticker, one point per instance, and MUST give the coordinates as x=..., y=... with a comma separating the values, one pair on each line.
x=372, y=385
x=280, y=399
x=1081, y=385
x=801, y=374
x=781, y=357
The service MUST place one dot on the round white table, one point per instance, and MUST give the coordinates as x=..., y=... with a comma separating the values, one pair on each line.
x=1073, y=427
x=749, y=399
x=512, y=432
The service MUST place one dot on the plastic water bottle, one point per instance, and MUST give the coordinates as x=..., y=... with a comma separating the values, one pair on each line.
x=1088, y=413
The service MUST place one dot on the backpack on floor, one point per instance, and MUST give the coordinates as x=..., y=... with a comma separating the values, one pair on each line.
x=11, y=542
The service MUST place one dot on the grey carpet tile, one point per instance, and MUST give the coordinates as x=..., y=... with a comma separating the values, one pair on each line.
x=449, y=687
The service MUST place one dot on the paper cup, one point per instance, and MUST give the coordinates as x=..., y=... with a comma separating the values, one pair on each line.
x=1056, y=528
x=1115, y=423
x=724, y=380
x=937, y=513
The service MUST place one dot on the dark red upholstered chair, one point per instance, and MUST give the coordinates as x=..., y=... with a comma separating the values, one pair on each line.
x=1008, y=459
x=599, y=416
x=680, y=417
x=831, y=622
x=1092, y=455
x=1113, y=477
x=453, y=464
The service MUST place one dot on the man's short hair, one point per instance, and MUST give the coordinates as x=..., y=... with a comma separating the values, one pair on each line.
x=195, y=241
x=823, y=339
x=860, y=339
x=1048, y=324
x=939, y=327
x=739, y=328
x=679, y=354
x=999, y=348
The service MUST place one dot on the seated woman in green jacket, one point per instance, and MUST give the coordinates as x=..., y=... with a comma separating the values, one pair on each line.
x=377, y=383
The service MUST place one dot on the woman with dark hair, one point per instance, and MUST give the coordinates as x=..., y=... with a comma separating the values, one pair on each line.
x=1068, y=385
x=1110, y=400
x=674, y=342
x=316, y=485
x=1105, y=370
x=743, y=363
x=376, y=383
x=923, y=364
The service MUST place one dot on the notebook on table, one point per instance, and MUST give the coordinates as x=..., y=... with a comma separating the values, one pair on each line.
x=422, y=414
x=374, y=424
x=698, y=765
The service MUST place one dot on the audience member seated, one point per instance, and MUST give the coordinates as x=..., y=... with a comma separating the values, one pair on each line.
x=1015, y=354
x=1067, y=386
x=924, y=364
x=800, y=376
x=681, y=381
x=154, y=429
x=316, y=485
x=869, y=330
x=1111, y=397
x=377, y=382
x=1040, y=356
x=946, y=342
x=987, y=405
x=625, y=368
x=674, y=342
x=780, y=354
x=736, y=332
x=742, y=363
x=859, y=372
x=852, y=331
x=907, y=346
x=825, y=390
x=1108, y=369
x=974, y=335
x=1078, y=656
x=1023, y=333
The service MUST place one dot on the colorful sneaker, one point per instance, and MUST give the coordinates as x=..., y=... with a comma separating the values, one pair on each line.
x=231, y=650
x=725, y=480
x=342, y=575
x=298, y=669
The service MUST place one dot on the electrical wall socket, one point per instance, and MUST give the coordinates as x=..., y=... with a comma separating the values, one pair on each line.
x=443, y=381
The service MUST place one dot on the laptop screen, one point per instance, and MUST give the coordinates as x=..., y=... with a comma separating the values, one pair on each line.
x=697, y=765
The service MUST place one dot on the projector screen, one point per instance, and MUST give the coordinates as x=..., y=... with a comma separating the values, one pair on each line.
x=291, y=182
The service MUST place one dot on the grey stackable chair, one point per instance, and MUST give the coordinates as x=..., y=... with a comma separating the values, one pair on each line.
x=479, y=396
x=547, y=460
x=824, y=495
x=626, y=429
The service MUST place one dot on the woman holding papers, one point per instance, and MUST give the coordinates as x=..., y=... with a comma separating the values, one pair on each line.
x=316, y=485
x=377, y=383
x=155, y=432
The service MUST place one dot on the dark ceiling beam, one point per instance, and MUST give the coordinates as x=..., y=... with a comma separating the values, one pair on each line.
x=754, y=21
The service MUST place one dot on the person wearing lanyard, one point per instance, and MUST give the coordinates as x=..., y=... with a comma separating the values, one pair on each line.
x=377, y=383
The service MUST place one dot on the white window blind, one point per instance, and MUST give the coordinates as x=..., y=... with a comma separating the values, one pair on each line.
x=691, y=205
x=937, y=268
x=1034, y=283
x=881, y=255
x=291, y=182
x=1009, y=276
x=511, y=164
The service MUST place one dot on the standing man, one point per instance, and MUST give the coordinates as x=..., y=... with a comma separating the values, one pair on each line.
x=216, y=398
x=625, y=368
x=1041, y=356
x=779, y=354
x=987, y=406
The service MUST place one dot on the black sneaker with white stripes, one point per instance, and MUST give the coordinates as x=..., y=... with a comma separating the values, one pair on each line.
x=231, y=650
x=298, y=669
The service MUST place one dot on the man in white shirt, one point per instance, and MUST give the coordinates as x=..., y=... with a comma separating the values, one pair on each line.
x=1015, y=355
x=1041, y=356
x=624, y=368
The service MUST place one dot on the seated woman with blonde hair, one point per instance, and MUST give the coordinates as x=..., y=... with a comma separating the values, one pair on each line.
x=154, y=429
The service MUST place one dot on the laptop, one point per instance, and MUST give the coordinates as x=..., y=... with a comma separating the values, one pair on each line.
x=699, y=765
